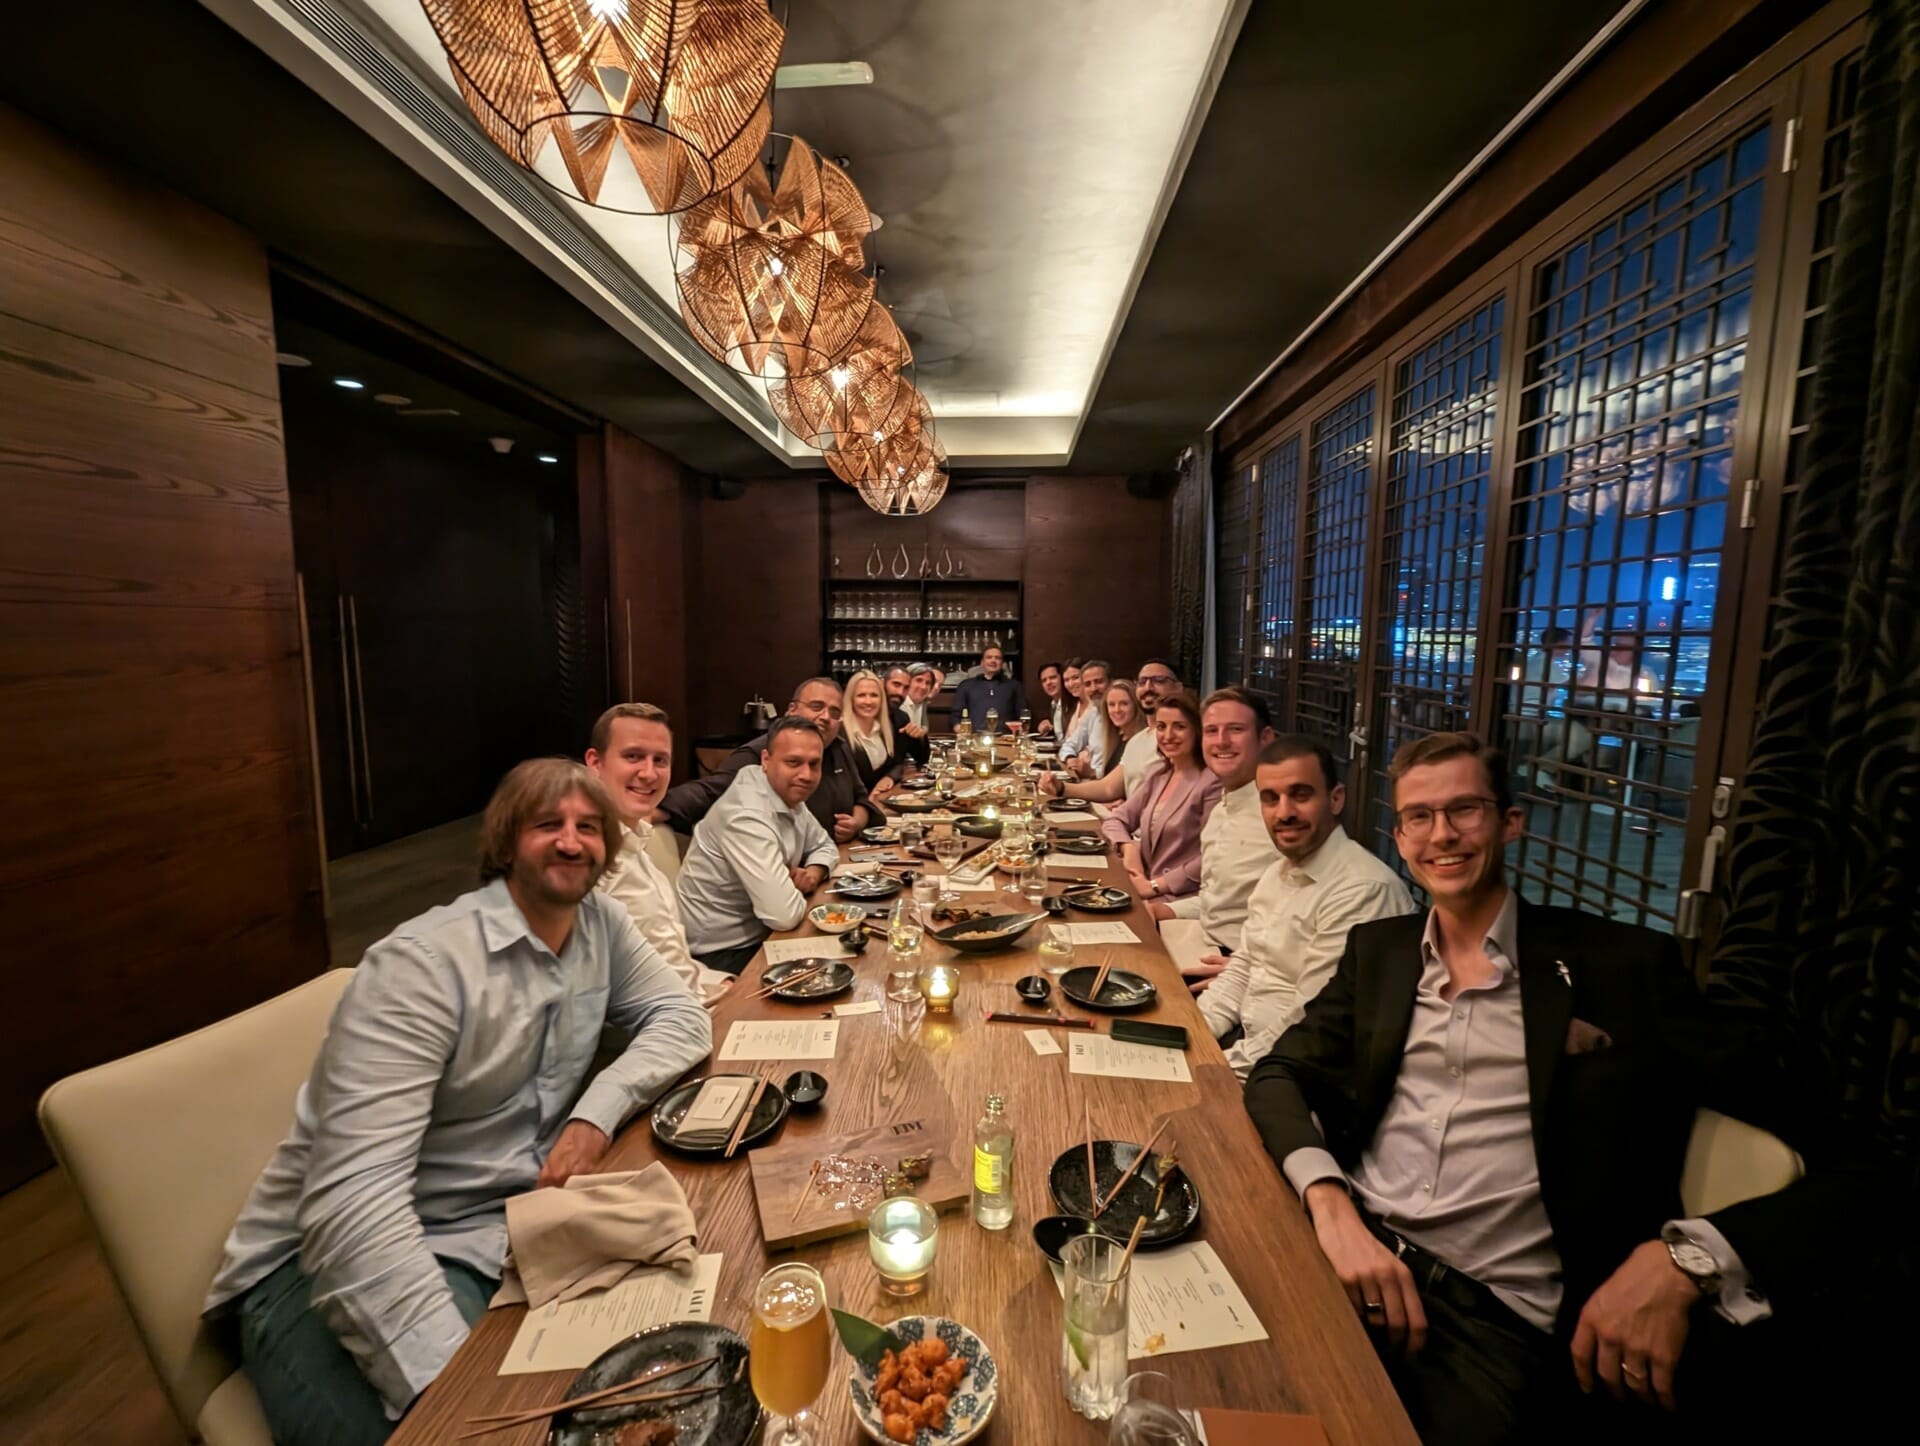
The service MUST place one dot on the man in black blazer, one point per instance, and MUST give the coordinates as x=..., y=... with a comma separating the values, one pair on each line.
x=1485, y=1113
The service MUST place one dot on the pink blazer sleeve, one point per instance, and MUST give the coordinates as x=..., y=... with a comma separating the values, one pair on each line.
x=1123, y=821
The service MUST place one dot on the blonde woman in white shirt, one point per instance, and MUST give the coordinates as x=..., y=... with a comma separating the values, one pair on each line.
x=879, y=753
x=632, y=751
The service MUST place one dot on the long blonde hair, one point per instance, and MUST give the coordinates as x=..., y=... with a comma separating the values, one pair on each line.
x=882, y=725
x=530, y=789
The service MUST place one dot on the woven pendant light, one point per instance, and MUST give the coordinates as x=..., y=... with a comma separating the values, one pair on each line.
x=770, y=272
x=855, y=457
x=903, y=477
x=677, y=86
x=860, y=400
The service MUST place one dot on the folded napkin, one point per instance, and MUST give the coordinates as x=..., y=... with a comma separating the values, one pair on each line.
x=592, y=1233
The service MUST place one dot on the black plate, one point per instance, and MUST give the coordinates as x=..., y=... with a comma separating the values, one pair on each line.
x=1098, y=899
x=880, y=833
x=978, y=825
x=669, y=1109
x=728, y=1417
x=1179, y=1209
x=915, y=805
x=1079, y=843
x=837, y=979
x=865, y=886
x=918, y=783
x=1067, y=805
x=1123, y=990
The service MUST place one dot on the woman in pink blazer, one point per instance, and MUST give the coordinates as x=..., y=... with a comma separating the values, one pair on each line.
x=1158, y=827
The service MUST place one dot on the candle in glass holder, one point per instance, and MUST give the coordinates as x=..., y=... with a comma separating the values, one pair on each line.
x=939, y=986
x=902, y=1234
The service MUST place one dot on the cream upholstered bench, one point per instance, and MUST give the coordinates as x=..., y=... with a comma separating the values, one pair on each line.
x=164, y=1146
x=1729, y=1161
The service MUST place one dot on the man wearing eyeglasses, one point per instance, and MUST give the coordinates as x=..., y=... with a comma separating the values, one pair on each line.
x=1156, y=682
x=1484, y=1112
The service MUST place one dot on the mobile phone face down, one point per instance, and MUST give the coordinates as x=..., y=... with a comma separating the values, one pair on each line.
x=1136, y=1031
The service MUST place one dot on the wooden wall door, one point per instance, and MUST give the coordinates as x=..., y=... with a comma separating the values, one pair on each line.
x=161, y=868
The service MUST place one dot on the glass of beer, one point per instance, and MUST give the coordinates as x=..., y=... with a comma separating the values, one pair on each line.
x=790, y=1349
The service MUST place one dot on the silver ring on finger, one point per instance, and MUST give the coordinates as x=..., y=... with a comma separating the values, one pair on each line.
x=1631, y=1374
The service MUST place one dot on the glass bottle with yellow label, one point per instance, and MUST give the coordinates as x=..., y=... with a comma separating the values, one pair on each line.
x=993, y=1167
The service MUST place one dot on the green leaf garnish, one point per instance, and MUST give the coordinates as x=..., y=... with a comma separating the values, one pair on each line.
x=864, y=1340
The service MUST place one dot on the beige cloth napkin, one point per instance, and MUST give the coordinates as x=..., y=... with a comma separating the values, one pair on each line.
x=594, y=1232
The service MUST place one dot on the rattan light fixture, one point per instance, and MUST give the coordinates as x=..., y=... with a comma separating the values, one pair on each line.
x=860, y=400
x=770, y=271
x=677, y=86
x=904, y=476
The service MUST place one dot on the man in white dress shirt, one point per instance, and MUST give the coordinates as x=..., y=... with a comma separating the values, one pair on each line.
x=1234, y=847
x=922, y=684
x=758, y=852
x=1156, y=683
x=1321, y=884
x=632, y=751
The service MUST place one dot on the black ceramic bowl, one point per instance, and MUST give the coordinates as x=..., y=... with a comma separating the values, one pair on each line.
x=1034, y=988
x=805, y=1089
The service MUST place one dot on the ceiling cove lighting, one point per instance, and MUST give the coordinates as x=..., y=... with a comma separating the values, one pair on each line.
x=547, y=457
x=677, y=87
x=350, y=384
x=770, y=269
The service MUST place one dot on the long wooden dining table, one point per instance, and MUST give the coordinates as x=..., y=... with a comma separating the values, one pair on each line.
x=1317, y=1360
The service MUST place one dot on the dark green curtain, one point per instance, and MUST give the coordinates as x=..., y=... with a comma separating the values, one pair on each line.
x=1822, y=931
x=1189, y=639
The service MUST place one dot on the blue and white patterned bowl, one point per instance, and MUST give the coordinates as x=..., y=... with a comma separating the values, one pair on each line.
x=967, y=1412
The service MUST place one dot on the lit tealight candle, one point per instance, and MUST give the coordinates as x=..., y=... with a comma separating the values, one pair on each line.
x=902, y=1234
x=939, y=985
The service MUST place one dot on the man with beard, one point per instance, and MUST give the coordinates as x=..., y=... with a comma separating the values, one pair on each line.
x=1157, y=682
x=449, y=1080
x=899, y=685
x=1320, y=885
x=839, y=801
x=758, y=854
x=632, y=752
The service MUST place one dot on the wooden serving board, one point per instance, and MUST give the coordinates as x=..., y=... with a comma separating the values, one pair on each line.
x=780, y=1173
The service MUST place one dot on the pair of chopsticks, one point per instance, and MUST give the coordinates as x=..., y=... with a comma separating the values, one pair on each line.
x=1167, y=1164
x=1100, y=979
x=1100, y=1205
x=746, y=1115
x=791, y=980
x=603, y=1398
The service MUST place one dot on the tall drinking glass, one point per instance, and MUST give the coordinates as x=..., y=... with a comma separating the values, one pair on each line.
x=1093, y=1336
x=1056, y=947
x=1149, y=1414
x=790, y=1350
x=947, y=848
x=1033, y=882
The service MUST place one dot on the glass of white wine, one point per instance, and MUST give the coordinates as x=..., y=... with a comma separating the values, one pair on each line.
x=1056, y=946
x=791, y=1348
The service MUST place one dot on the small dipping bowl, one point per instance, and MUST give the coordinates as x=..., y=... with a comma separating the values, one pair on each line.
x=1052, y=1232
x=1034, y=988
x=805, y=1089
x=1054, y=905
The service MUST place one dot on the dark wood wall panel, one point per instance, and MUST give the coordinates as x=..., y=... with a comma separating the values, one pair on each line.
x=651, y=511
x=161, y=868
x=1097, y=581
x=756, y=625
x=984, y=525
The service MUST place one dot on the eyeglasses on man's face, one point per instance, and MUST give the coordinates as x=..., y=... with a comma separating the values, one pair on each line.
x=1155, y=680
x=1464, y=815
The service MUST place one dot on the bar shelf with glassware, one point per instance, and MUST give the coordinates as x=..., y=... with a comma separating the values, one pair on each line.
x=876, y=623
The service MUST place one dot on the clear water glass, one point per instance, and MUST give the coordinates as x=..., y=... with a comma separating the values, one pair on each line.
x=1093, y=1326
x=1056, y=947
x=1149, y=1414
x=926, y=896
x=1033, y=882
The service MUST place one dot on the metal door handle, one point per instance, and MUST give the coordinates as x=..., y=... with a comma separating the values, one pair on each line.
x=360, y=707
x=1686, y=924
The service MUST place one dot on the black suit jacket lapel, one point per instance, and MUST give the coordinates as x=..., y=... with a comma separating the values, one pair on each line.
x=1546, y=1007
x=1395, y=981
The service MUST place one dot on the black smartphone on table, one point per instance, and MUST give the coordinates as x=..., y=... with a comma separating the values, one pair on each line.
x=1139, y=1031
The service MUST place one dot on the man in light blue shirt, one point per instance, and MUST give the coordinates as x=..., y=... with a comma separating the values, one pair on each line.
x=450, y=1079
x=1087, y=742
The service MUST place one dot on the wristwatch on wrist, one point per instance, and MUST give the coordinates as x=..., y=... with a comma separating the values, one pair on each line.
x=1693, y=1260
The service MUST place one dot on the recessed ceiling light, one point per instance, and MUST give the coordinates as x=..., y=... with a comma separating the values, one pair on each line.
x=548, y=457
x=291, y=359
x=393, y=399
x=349, y=383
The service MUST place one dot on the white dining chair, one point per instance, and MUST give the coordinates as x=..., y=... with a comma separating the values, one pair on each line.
x=163, y=1147
x=1729, y=1161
